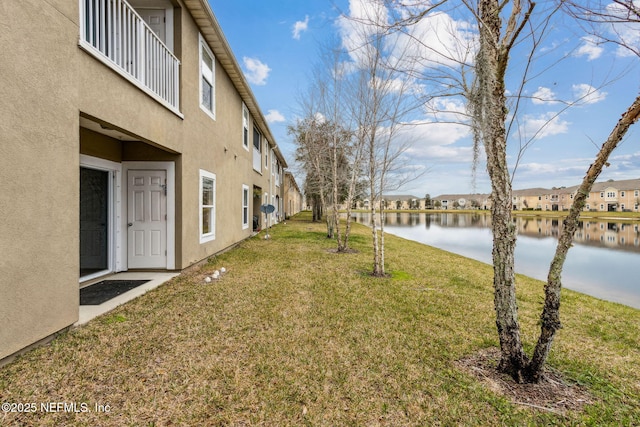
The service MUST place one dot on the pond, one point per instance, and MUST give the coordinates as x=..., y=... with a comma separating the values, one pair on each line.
x=604, y=261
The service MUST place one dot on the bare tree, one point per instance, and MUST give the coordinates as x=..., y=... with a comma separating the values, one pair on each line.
x=310, y=136
x=346, y=151
x=381, y=99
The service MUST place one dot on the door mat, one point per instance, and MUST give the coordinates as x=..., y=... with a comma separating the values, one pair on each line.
x=103, y=291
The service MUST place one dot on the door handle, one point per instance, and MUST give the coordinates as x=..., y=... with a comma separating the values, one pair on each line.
x=129, y=224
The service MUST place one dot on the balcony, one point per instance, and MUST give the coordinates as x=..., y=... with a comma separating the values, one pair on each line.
x=116, y=34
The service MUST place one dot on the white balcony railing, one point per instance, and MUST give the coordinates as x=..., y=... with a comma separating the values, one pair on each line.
x=120, y=35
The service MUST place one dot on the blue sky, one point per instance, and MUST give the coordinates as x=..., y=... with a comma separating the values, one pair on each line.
x=277, y=45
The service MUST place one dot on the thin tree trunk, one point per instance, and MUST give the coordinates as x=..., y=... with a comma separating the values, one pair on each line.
x=550, y=317
x=336, y=218
x=376, y=244
x=382, y=220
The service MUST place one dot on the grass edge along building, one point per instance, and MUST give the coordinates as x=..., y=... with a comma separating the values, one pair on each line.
x=130, y=141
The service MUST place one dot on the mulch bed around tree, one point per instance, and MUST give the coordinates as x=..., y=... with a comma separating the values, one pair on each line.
x=554, y=393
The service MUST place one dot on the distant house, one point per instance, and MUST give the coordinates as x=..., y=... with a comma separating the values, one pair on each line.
x=530, y=199
x=130, y=141
x=462, y=201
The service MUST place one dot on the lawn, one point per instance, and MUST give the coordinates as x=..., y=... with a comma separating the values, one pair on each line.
x=295, y=334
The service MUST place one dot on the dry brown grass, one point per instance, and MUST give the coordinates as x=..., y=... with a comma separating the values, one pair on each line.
x=294, y=334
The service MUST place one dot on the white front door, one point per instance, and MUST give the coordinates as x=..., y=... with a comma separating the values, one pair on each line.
x=147, y=219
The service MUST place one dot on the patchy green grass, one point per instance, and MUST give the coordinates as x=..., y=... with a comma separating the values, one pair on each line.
x=294, y=334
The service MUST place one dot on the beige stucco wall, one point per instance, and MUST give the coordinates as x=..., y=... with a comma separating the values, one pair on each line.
x=48, y=84
x=214, y=146
x=198, y=141
x=39, y=193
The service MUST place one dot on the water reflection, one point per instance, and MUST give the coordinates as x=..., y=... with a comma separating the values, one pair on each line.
x=604, y=262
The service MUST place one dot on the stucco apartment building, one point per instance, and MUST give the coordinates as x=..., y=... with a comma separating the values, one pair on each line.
x=395, y=202
x=622, y=195
x=616, y=196
x=130, y=140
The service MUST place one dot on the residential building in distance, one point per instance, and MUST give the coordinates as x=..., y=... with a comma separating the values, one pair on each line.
x=130, y=141
x=293, y=199
x=612, y=196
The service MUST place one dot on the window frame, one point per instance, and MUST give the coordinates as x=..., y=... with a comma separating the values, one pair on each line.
x=204, y=49
x=211, y=235
x=245, y=206
x=258, y=144
x=245, y=126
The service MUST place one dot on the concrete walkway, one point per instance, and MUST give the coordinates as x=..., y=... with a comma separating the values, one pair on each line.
x=88, y=312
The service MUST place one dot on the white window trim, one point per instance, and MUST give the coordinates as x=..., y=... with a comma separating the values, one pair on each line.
x=245, y=188
x=203, y=44
x=245, y=126
x=212, y=235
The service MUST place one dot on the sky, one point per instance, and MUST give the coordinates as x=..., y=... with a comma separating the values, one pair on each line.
x=277, y=45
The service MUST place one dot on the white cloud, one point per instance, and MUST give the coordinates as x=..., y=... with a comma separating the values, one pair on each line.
x=590, y=48
x=543, y=125
x=587, y=94
x=274, y=116
x=256, y=71
x=544, y=95
x=436, y=40
x=300, y=26
x=550, y=174
x=624, y=30
x=355, y=29
x=444, y=41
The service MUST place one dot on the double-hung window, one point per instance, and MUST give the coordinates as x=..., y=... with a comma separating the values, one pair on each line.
x=245, y=127
x=207, y=80
x=257, y=150
x=207, y=206
x=245, y=207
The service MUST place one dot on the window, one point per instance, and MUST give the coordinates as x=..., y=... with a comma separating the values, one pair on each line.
x=611, y=194
x=257, y=150
x=636, y=193
x=602, y=194
x=601, y=207
x=245, y=207
x=622, y=194
x=266, y=158
x=245, y=127
x=207, y=206
x=207, y=80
